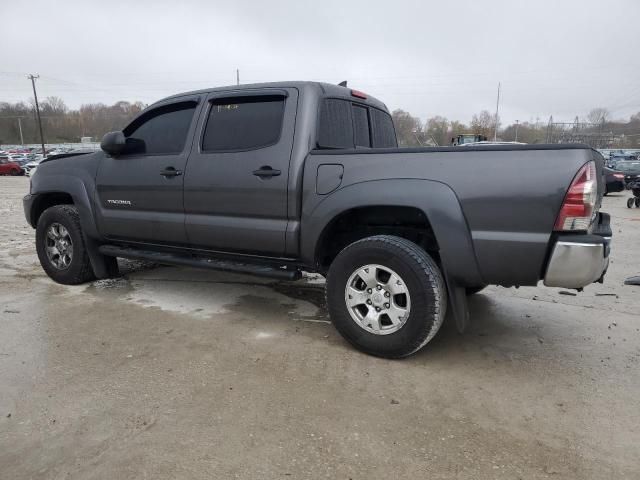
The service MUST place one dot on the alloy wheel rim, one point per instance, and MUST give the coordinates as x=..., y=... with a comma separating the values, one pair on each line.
x=377, y=299
x=59, y=246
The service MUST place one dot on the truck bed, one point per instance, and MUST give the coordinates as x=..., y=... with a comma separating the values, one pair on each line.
x=496, y=187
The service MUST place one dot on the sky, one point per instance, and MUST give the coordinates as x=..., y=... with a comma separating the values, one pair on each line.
x=551, y=57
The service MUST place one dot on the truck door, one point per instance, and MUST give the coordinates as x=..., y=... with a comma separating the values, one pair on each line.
x=235, y=187
x=139, y=193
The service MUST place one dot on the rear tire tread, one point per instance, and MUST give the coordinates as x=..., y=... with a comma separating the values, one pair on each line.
x=431, y=279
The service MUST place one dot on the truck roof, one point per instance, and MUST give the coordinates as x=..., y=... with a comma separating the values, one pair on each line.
x=324, y=89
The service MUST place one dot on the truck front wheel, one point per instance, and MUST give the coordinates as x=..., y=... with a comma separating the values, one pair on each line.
x=386, y=296
x=60, y=246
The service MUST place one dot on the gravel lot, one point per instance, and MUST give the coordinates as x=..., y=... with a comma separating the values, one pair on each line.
x=178, y=373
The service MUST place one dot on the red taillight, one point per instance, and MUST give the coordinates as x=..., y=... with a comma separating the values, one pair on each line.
x=580, y=202
x=358, y=94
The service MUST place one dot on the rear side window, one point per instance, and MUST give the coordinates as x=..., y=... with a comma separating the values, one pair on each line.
x=384, y=134
x=361, y=126
x=160, y=131
x=243, y=123
x=344, y=124
x=336, y=126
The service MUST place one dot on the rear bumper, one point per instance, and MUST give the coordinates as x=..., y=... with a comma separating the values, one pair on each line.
x=579, y=260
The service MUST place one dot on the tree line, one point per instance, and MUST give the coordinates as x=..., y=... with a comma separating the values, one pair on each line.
x=61, y=124
x=597, y=129
x=64, y=125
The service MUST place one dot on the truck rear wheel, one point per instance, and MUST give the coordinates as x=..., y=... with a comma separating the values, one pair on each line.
x=60, y=246
x=386, y=296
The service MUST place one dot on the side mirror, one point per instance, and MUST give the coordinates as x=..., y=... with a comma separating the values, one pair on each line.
x=113, y=143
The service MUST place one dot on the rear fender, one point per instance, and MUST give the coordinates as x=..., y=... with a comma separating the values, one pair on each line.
x=437, y=200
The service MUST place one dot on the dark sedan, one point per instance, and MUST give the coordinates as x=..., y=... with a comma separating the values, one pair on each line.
x=630, y=170
x=614, y=180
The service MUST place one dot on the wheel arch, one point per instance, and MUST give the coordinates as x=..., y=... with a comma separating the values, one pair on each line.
x=50, y=190
x=47, y=200
x=435, y=200
x=356, y=223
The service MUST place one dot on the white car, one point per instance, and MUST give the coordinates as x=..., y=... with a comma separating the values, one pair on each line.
x=30, y=168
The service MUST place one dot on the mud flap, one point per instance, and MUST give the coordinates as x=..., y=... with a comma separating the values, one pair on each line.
x=103, y=266
x=458, y=304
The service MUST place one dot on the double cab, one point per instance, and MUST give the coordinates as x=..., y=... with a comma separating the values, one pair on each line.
x=279, y=178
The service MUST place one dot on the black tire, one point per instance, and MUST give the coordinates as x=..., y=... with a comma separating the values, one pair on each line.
x=79, y=269
x=14, y=172
x=638, y=202
x=630, y=203
x=474, y=290
x=423, y=281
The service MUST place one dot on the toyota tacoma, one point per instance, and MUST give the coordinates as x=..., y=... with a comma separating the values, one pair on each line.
x=279, y=178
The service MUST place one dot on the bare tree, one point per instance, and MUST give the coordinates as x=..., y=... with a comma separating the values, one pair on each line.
x=598, y=115
x=527, y=132
x=437, y=128
x=53, y=106
x=408, y=129
x=61, y=124
x=483, y=123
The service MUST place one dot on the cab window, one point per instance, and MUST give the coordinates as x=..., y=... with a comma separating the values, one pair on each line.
x=160, y=131
x=243, y=123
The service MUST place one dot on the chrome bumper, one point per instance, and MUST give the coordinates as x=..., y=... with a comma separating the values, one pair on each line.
x=575, y=264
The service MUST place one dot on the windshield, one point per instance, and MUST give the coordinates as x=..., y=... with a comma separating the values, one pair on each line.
x=626, y=166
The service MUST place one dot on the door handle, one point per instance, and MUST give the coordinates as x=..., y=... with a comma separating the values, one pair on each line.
x=171, y=172
x=266, y=172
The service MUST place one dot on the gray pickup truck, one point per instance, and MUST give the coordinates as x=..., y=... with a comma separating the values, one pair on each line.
x=275, y=179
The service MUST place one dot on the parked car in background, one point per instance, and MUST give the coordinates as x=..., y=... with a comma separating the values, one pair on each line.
x=614, y=180
x=18, y=158
x=615, y=159
x=7, y=167
x=631, y=171
x=30, y=168
x=22, y=161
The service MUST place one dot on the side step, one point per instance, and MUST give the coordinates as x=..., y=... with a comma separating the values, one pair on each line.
x=262, y=270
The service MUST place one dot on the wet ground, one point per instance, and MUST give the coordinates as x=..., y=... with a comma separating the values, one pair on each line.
x=178, y=373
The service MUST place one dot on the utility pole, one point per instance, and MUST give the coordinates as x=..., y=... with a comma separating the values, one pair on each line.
x=35, y=96
x=517, y=123
x=237, y=76
x=495, y=131
x=20, y=128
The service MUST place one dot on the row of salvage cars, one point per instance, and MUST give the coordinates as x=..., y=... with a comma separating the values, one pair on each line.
x=15, y=168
